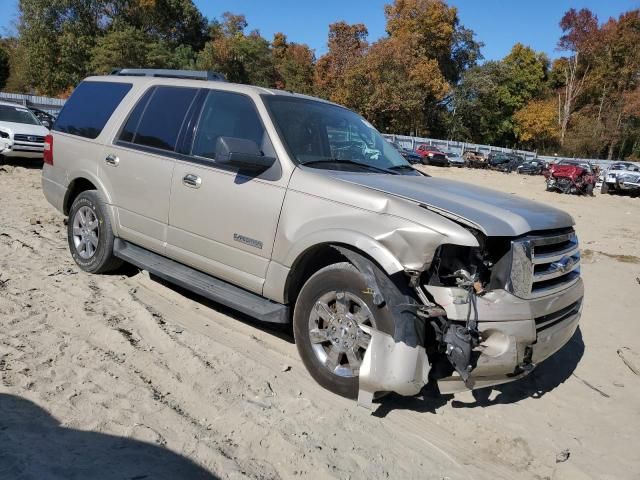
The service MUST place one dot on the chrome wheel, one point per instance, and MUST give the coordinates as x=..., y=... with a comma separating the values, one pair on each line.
x=86, y=232
x=336, y=338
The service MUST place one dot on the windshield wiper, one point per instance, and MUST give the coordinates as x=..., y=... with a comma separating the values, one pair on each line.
x=349, y=162
x=401, y=168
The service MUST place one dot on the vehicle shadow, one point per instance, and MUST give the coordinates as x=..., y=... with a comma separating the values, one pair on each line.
x=35, y=445
x=550, y=374
x=29, y=163
x=282, y=331
x=547, y=376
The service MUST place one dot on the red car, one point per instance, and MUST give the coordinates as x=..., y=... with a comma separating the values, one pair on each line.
x=432, y=155
x=571, y=176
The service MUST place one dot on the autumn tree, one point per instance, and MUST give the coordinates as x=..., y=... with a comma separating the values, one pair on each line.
x=536, y=124
x=242, y=57
x=579, y=38
x=347, y=45
x=294, y=65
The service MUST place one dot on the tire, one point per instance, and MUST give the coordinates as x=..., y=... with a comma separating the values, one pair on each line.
x=425, y=161
x=90, y=235
x=589, y=190
x=323, y=287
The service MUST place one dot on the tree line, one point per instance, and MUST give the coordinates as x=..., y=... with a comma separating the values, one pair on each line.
x=425, y=77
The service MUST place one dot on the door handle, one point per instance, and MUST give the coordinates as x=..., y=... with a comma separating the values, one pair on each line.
x=191, y=180
x=112, y=160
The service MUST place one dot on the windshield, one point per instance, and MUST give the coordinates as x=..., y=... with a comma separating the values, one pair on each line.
x=322, y=135
x=9, y=113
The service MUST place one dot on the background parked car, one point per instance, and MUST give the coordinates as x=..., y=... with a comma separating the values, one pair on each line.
x=21, y=133
x=571, y=176
x=455, y=160
x=610, y=177
x=431, y=155
x=474, y=159
x=532, y=167
x=45, y=117
x=504, y=162
x=408, y=154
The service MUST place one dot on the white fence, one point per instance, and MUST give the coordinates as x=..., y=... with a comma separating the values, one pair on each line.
x=50, y=105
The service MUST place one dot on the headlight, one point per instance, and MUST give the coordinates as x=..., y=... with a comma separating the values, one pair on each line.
x=4, y=134
x=429, y=154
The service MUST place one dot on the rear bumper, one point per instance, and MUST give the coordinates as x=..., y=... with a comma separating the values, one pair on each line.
x=53, y=192
x=516, y=334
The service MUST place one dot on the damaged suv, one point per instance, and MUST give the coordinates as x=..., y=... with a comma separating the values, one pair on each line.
x=289, y=208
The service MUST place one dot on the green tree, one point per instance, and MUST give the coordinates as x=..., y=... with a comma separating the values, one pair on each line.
x=526, y=72
x=432, y=29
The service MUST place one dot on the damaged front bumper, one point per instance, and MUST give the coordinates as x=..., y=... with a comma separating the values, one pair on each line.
x=515, y=335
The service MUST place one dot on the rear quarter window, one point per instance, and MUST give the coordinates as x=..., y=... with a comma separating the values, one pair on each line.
x=89, y=108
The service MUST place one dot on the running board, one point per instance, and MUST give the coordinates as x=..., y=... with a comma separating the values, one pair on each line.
x=202, y=284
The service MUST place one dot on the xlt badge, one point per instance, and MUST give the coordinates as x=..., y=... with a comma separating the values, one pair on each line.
x=248, y=241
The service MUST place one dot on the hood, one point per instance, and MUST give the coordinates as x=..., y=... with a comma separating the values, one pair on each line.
x=493, y=213
x=24, y=128
x=570, y=171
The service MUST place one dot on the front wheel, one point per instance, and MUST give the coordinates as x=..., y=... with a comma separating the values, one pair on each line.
x=90, y=235
x=331, y=306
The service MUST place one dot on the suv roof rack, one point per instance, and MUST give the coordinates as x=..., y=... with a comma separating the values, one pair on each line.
x=166, y=73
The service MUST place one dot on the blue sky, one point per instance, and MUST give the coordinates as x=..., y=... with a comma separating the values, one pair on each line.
x=497, y=23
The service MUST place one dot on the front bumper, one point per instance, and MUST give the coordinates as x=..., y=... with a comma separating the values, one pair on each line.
x=628, y=186
x=516, y=334
x=17, y=149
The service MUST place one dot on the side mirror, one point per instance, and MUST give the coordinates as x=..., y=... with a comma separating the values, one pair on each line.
x=241, y=153
x=46, y=124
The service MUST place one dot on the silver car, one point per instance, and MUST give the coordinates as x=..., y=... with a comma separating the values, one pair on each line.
x=620, y=177
x=289, y=208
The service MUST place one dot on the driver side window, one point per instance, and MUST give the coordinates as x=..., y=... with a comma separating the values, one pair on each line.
x=226, y=114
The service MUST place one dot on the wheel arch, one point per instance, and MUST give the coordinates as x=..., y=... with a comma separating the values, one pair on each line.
x=81, y=182
x=320, y=255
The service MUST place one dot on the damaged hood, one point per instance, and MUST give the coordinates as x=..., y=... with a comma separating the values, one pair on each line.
x=493, y=213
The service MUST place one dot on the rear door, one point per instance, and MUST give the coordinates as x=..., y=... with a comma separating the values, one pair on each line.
x=223, y=221
x=138, y=167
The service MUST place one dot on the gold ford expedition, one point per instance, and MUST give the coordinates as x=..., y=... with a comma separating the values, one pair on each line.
x=290, y=208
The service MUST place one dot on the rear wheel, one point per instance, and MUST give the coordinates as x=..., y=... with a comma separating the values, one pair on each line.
x=331, y=306
x=90, y=235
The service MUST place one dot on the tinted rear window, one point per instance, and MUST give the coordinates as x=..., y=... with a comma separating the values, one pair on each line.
x=88, y=110
x=162, y=118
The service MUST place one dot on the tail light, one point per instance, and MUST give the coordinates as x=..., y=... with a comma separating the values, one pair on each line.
x=48, y=149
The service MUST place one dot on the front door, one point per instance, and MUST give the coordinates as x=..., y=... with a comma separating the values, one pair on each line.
x=137, y=168
x=222, y=221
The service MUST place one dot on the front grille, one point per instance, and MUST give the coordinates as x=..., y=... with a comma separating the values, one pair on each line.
x=19, y=137
x=544, y=264
x=548, y=321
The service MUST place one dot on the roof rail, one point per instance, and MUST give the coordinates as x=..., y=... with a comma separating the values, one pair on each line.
x=166, y=73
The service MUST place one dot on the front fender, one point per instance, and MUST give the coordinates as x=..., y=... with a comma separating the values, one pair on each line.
x=357, y=240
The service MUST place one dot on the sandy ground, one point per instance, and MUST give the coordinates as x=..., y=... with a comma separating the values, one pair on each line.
x=119, y=376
